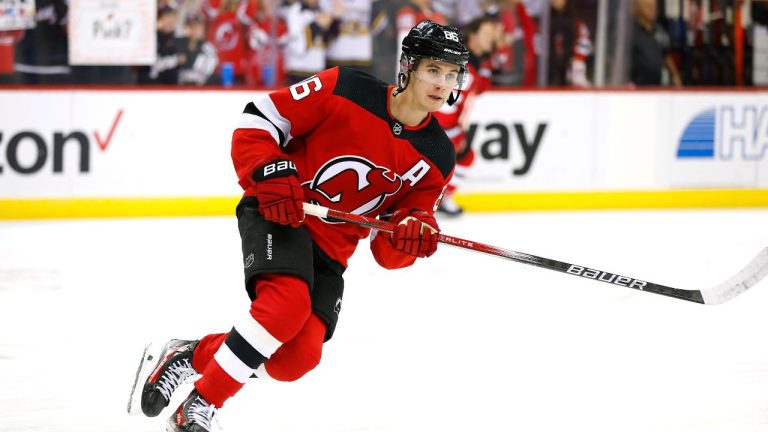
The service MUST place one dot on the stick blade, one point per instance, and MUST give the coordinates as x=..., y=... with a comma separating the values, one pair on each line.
x=750, y=275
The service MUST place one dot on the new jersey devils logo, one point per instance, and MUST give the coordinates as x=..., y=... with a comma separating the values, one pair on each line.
x=352, y=184
x=226, y=36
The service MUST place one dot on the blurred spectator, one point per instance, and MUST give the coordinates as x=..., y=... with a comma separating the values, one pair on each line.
x=480, y=36
x=7, y=41
x=309, y=31
x=200, y=58
x=650, y=48
x=410, y=15
x=569, y=46
x=360, y=21
x=449, y=9
x=710, y=54
x=462, y=12
x=757, y=74
x=225, y=32
x=514, y=62
x=267, y=37
x=165, y=70
x=42, y=53
x=535, y=8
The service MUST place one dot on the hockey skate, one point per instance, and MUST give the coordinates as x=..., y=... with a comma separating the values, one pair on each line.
x=193, y=415
x=448, y=207
x=159, y=375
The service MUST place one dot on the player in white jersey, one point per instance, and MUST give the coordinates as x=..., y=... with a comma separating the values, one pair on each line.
x=361, y=20
x=309, y=31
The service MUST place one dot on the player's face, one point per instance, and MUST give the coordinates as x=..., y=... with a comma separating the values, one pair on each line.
x=433, y=82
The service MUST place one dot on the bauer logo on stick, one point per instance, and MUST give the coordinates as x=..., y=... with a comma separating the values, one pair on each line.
x=607, y=277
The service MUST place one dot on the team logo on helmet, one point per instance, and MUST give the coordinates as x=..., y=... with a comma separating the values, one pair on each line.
x=352, y=184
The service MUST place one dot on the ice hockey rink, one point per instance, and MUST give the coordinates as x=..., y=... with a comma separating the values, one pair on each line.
x=459, y=342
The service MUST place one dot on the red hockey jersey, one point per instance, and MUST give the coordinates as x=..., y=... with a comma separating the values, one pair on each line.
x=351, y=155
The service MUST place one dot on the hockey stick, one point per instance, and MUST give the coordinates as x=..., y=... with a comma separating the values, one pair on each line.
x=755, y=271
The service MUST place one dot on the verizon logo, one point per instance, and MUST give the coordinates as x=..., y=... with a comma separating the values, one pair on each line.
x=28, y=151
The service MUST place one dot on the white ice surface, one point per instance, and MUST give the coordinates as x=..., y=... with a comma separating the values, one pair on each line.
x=459, y=342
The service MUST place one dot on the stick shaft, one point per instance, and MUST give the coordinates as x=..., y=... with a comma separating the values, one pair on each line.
x=750, y=275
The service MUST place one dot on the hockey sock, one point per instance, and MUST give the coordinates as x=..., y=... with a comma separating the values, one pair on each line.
x=205, y=350
x=300, y=354
x=281, y=308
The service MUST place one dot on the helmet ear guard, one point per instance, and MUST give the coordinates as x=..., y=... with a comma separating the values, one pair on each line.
x=437, y=42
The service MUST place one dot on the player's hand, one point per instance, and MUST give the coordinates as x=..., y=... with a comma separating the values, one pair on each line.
x=279, y=192
x=415, y=232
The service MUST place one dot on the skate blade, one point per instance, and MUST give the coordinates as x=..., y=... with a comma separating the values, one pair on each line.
x=149, y=360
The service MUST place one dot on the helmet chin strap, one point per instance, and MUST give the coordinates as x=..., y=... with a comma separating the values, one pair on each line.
x=402, y=83
x=452, y=99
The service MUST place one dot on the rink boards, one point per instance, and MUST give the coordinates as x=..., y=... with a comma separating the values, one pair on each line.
x=108, y=152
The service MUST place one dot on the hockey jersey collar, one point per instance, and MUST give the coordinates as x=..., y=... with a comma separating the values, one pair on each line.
x=422, y=125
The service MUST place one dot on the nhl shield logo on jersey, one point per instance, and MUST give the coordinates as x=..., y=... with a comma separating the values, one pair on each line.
x=352, y=184
x=397, y=129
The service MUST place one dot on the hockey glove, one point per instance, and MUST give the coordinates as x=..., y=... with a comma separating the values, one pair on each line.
x=279, y=192
x=415, y=232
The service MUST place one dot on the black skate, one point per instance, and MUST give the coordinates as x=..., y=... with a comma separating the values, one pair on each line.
x=193, y=415
x=448, y=207
x=169, y=369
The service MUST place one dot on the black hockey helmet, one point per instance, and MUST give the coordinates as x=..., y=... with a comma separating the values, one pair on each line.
x=437, y=42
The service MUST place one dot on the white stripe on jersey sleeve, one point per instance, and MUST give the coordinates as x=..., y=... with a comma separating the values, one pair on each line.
x=256, y=335
x=252, y=121
x=232, y=365
x=267, y=107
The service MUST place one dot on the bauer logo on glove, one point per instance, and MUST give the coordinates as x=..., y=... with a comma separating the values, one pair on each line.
x=279, y=193
x=275, y=169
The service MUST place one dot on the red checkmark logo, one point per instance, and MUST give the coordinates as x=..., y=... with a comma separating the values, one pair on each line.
x=103, y=144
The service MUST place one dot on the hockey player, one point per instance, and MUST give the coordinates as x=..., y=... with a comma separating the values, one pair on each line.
x=344, y=140
x=480, y=35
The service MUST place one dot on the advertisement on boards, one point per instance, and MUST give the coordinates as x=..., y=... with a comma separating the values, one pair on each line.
x=716, y=141
x=117, y=144
x=149, y=143
x=532, y=141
